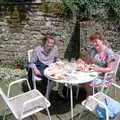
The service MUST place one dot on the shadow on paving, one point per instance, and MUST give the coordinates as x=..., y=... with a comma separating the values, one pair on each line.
x=60, y=105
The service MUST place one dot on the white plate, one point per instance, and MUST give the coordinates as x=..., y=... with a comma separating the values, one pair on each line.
x=57, y=74
x=83, y=77
x=93, y=74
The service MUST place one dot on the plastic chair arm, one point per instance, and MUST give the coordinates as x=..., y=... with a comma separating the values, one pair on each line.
x=115, y=85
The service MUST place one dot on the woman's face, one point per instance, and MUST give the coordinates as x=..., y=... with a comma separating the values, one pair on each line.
x=97, y=43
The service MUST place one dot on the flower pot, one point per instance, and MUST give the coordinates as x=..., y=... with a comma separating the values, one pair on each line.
x=18, y=66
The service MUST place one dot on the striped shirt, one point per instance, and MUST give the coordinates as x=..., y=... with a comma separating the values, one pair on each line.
x=40, y=55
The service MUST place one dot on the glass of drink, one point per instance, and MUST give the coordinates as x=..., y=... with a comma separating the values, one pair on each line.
x=73, y=65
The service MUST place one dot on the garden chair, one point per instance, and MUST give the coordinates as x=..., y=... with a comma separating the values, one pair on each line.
x=35, y=78
x=110, y=106
x=109, y=76
x=25, y=104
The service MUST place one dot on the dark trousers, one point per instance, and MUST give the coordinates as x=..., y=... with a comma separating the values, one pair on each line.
x=41, y=67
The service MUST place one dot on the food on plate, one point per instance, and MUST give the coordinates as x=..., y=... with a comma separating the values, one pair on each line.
x=57, y=74
x=82, y=66
x=59, y=64
x=60, y=76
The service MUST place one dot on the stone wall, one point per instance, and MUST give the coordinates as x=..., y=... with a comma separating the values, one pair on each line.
x=19, y=35
x=110, y=30
x=23, y=28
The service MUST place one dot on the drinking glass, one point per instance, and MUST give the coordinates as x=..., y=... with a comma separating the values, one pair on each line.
x=73, y=65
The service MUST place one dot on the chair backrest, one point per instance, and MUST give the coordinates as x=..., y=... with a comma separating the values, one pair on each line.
x=29, y=53
x=110, y=76
x=117, y=62
x=6, y=100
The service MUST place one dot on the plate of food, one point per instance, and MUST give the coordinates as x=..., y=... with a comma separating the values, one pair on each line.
x=56, y=74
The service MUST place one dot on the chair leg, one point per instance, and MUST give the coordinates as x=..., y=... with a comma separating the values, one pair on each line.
x=4, y=115
x=6, y=109
x=49, y=117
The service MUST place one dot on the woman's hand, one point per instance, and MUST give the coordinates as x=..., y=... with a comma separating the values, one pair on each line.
x=94, y=67
x=36, y=72
x=80, y=61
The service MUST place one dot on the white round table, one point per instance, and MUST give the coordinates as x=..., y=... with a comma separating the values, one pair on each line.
x=72, y=79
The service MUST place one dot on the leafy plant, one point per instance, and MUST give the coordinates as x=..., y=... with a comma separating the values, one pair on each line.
x=85, y=9
x=113, y=8
x=8, y=75
x=90, y=9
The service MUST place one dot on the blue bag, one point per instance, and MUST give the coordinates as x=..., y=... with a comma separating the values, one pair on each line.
x=113, y=109
x=100, y=112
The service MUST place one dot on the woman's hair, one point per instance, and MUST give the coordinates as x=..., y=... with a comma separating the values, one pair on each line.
x=99, y=36
x=47, y=37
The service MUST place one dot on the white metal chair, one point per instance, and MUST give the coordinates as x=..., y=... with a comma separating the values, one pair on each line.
x=25, y=104
x=35, y=78
x=99, y=99
x=111, y=76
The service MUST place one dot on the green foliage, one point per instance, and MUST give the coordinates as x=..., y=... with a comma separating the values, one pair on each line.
x=8, y=75
x=85, y=9
x=113, y=8
x=90, y=9
x=67, y=8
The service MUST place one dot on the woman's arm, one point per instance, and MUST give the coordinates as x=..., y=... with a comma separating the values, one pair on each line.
x=103, y=69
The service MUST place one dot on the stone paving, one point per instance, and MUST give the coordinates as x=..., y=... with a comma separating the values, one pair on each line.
x=60, y=109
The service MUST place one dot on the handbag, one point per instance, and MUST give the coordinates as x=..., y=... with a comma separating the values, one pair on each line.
x=113, y=109
x=100, y=112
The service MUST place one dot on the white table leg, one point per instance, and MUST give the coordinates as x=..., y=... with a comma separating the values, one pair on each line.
x=49, y=88
x=71, y=101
